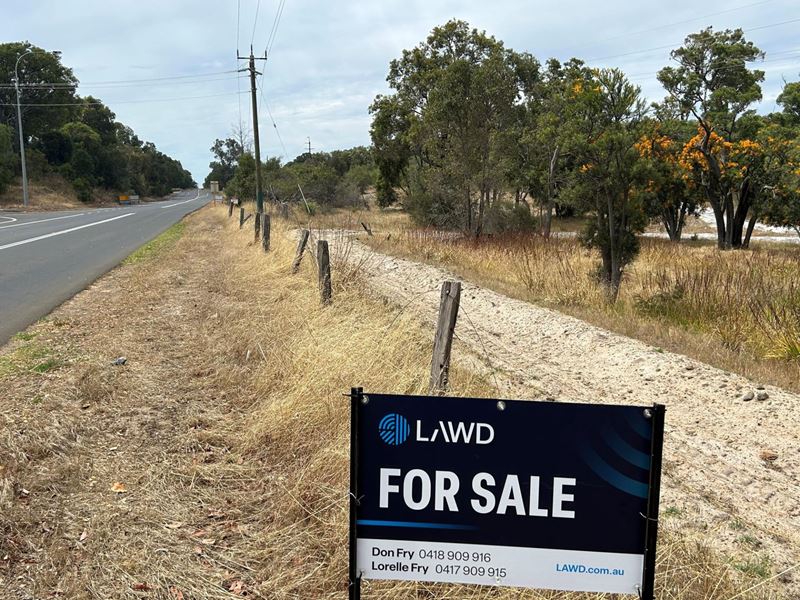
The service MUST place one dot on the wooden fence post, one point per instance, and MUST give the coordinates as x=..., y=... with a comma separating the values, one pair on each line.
x=443, y=340
x=265, y=231
x=230, y=208
x=324, y=264
x=241, y=216
x=257, y=227
x=301, y=248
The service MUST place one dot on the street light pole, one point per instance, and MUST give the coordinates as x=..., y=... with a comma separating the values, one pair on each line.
x=25, y=199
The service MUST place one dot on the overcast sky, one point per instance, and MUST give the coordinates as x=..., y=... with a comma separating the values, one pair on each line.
x=330, y=59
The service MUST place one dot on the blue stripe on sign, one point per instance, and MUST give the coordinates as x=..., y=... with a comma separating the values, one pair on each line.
x=625, y=450
x=610, y=475
x=376, y=523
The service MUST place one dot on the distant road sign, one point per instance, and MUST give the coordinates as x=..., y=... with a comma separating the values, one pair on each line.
x=530, y=494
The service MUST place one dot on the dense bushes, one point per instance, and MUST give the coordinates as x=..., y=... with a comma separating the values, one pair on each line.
x=338, y=178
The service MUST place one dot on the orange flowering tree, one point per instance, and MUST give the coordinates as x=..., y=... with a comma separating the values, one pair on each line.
x=713, y=83
x=666, y=189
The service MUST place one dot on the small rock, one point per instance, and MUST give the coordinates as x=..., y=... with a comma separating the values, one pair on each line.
x=768, y=456
x=747, y=396
x=689, y=367
x=119, y=361
x=761, y=396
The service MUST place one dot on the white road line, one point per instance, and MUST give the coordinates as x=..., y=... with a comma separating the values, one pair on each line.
x=41, y=221
x=184, y=202
x=55, y=233
x=10, y=219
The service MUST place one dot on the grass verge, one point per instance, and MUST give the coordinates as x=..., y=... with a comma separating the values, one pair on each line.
x=158, y=245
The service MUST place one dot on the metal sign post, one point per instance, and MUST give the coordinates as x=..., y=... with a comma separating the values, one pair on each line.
x=656, y=415
x=356, y=398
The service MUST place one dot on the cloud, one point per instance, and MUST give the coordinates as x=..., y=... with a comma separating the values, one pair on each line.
x=330, y=59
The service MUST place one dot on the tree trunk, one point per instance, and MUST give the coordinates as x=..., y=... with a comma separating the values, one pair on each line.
x=719, y=217
x=615, y=275
x=547, y=221
x=469, y=210
x=751, y=225
x=729, y=220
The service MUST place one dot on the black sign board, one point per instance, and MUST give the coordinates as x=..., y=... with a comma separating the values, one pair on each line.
x=531, y=494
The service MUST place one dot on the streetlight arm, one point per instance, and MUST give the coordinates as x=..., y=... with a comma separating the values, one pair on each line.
x=16, y=65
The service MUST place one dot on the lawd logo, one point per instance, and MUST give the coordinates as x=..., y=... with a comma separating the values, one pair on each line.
x=394, y=429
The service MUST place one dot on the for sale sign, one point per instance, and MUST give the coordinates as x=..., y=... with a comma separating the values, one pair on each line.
x=530, y=494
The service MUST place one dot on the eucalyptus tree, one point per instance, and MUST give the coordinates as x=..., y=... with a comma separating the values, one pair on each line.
x=440, y=132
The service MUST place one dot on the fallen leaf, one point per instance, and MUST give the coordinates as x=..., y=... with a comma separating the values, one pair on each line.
x=175, y=592
x=84, y=535
x=141, y=587
x=198, y=550
x=174, y=525
x=237, y=587
x=119, y=488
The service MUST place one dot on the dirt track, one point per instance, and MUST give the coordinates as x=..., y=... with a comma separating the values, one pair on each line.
x=716, y=478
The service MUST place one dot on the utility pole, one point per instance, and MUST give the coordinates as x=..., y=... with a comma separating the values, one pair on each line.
x=309, y=146
x=254, y=99
x=25, y=199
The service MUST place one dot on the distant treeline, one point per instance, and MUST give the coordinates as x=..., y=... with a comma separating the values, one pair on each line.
x=77, y=137
x=338, y=178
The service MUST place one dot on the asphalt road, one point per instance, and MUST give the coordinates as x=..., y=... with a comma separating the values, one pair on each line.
x=47, y=257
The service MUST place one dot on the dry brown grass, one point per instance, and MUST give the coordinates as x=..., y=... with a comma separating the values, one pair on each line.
x=52, y=192
x=229, y=428
x=739, y=311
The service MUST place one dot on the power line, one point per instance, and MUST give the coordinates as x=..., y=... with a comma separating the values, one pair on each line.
x=238, y=22
x=61, y=104
x=255, y=23
x=676, y=23
x=124, y=82
x=275, y=23
x=238, y=75
x=678, y=44
x=69, y=86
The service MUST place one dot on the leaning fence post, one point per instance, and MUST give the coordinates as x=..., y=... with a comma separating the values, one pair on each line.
x=241, y=216
x=230, y=208
x=265, y=231
x=257, y=227
x=301, y=248
x=324, y=264
x=443, y=340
